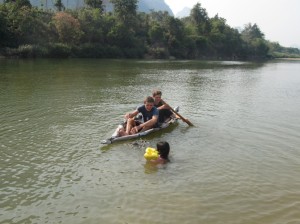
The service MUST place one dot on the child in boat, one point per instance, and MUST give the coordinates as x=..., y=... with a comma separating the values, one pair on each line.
x=150, y=116
x=164, y=109
x=163, y=149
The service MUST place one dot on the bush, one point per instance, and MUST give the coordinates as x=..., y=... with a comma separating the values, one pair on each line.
x=113, y=52
x=158, y=52
x=26, y=51
x=133, y=52
x=67, y=27
x=59, y=50
x=89, y=51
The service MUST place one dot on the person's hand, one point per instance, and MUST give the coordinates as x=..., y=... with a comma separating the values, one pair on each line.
x=135, y=129
x=127, y=116
x=167, y=106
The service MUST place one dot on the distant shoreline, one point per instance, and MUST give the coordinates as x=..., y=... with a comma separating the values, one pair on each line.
x=292, y=59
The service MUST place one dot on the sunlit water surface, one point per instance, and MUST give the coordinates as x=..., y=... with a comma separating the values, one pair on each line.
x=240, y=164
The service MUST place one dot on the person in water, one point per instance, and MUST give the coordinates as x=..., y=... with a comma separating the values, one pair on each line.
x=150, y=118
x=163, y=149
x=164, y=109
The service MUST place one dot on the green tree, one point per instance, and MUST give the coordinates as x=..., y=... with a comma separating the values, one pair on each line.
x=92, y=25
x=121, y=36
x=260, y=47
x=157, y=38
x=225, y=40
x=159, y=26
x=59, y=5
x=123, y=32
x=197, y=28
x=256, y=45
x=98, y=4
x=67, y=27
x=218, y=29
x=156, y=33
x=125, y=11
x=25, y=25
x=159, y=16
x=174, y=34
x=200, y=19
x=251, y=32
x=4, y=32
x=19, y=3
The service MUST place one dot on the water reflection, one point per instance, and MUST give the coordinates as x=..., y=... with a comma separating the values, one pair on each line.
x=150, y=167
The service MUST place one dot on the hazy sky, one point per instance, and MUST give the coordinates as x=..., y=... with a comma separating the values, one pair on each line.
x=279, y=20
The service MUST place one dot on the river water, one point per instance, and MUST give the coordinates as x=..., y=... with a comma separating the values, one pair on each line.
x=239, y=164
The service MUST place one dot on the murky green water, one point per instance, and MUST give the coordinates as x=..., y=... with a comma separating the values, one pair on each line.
x=239, y=164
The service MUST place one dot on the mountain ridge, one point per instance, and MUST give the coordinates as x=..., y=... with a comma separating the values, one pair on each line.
x=184, y=12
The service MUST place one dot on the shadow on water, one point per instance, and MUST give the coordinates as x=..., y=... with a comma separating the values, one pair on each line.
x=132, y=143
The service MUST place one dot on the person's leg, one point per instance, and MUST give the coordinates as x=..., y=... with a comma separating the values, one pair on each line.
x=121, y=132
x=121, y=129
x=161, y=117
x=168, y=113
x=164, y=114
x=130, y=125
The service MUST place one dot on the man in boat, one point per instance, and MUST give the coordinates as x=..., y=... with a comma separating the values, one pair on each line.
x=164, y=109
x=150, y=116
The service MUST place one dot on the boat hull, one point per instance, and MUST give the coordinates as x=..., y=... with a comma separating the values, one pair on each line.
x=115, y=138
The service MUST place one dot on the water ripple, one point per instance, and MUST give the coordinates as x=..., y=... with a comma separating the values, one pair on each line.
x=239, y=164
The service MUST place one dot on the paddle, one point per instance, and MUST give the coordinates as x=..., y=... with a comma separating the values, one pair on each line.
x=181, y=117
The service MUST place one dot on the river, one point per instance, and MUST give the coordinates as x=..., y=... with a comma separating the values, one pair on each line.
x=239, y=164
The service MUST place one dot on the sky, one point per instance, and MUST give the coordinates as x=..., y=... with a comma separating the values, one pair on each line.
x=279, y=20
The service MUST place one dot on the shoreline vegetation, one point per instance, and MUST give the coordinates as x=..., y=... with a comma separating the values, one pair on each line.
x=91, y=32
x=291, y=59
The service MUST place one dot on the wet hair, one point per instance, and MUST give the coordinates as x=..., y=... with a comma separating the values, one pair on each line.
x=149, y=99
x=156, y=92
x=163, y=149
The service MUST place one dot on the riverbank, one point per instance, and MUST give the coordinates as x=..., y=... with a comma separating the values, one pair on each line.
x=290, y=59
x=58, y=50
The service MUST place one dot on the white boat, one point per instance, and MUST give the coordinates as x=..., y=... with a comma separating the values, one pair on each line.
x=116, y=138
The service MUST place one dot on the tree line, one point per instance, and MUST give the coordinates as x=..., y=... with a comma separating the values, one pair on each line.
x=91, y=32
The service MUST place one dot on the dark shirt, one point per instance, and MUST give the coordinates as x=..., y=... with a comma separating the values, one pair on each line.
x=159, y=104
x=163, y=113
x=147, y=115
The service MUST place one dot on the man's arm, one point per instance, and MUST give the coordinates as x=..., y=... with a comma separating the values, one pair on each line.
x=132, y=114
x=148, y=124
x=164, y=106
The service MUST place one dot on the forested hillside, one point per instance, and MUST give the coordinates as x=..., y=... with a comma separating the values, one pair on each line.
x=92, y=31
x=142, y=5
